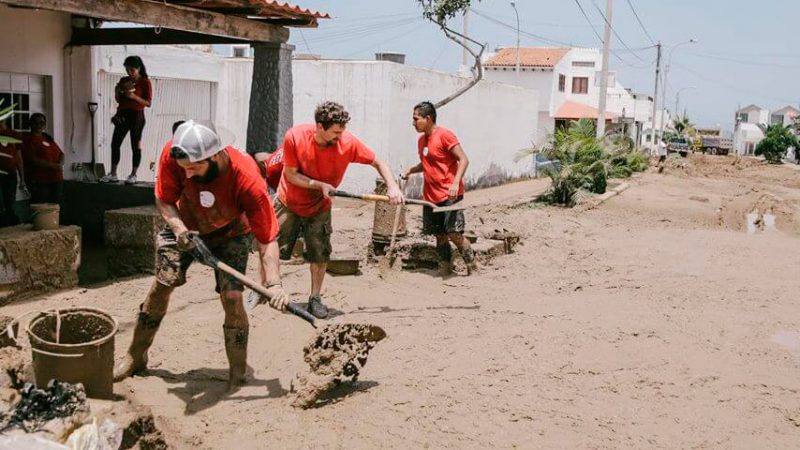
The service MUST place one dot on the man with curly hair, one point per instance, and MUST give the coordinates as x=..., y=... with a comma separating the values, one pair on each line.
x=315, y=159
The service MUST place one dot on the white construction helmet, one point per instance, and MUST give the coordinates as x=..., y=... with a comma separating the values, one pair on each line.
x=199, y=140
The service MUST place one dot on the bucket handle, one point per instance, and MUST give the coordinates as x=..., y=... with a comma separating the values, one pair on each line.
x=58, y=355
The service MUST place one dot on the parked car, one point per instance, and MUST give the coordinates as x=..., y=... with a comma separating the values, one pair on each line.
x=679, y=145
x=542, y=165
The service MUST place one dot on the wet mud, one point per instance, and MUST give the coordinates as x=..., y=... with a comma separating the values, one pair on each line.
x=336, y=354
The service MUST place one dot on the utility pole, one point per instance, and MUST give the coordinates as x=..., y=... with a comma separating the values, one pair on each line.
x=514, y=5
x=601, y=110
x=464, y=54
x=655, y=99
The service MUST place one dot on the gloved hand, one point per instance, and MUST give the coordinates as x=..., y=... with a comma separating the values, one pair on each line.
x=279, y=298
x=186, y=240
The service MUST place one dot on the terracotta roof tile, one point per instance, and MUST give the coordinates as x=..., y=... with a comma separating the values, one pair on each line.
x=528, y=57
x=575, y=110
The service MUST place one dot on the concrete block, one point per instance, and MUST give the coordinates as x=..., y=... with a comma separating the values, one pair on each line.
x=130, y=236
x=33, y=262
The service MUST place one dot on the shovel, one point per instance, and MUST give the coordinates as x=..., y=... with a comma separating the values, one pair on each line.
x=409, y=201
x=208, y=258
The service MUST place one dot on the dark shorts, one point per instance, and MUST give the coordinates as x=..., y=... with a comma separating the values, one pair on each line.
x=316, y=233
x=172, y=264
x=443, y=222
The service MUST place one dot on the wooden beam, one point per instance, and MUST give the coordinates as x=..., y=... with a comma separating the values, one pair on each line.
x=164, y=15
x=144, y=36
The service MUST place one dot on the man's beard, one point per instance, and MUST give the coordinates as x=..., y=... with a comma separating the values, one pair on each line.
x=211, y=174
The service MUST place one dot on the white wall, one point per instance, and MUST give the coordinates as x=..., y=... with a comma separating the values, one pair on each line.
x=33, y=43
x=540, y=80
x=492, y=120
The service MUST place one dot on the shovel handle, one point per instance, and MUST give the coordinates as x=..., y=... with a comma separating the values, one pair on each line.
x=381, y=198
x=292, y=307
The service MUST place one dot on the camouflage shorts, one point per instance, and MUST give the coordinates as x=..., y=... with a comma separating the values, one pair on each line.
x=172, y=264
x=316, y=234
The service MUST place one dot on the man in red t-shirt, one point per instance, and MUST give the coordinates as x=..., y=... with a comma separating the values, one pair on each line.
x=315, y=159
x=271, y=165
x=217, y=194
x=443, y=164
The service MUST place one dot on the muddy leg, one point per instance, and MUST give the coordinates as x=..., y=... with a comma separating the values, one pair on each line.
x=149, y=319
x=465, y=248
x=236, y=331
x=445, y=255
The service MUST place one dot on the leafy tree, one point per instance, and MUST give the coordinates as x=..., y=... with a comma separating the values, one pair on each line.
x=778, y=139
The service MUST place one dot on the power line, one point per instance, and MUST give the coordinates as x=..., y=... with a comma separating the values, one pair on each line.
x=600, y=38
x=597, y=7
x=522, y=32
x=749, y=63
x=638, y=19
x=731, y=86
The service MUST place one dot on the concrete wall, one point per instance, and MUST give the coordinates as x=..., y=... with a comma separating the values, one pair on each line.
x=33, y=43
x=492, y=120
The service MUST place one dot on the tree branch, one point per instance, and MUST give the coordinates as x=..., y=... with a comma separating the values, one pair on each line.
x=477, y=69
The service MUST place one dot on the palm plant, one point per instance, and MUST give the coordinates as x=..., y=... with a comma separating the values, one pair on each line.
x=5, y=113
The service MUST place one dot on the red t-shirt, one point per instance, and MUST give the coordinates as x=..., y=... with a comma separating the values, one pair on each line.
x=274, y=166
x=439, y=164
x=143, y=88
x=44, y=148
x=12, y=163
x=229, y=206
x=326, y=164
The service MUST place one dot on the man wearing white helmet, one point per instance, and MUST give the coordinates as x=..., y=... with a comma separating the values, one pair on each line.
x=216, y=194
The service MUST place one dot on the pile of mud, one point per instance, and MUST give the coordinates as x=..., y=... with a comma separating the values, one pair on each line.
x=336, y=354
x=57, y=410
x=735, y=210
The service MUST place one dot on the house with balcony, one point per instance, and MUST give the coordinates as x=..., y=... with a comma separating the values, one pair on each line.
x=747, y=133
x=568, y=81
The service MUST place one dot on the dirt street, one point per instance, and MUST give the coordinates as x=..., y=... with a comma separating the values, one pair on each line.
x=653, y=320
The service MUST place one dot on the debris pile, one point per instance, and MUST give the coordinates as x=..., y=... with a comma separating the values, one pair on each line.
x=336, y=354
x=54, y=412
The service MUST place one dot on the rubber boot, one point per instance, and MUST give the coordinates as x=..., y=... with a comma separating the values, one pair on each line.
x=445, y=259
x=135, y=360
x=236, y=349
x=469, y=258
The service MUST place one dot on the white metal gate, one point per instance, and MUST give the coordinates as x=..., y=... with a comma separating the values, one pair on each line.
x=173, y=99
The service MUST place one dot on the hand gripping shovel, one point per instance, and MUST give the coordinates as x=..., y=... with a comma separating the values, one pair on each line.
x=205, y=256
x=409, y=201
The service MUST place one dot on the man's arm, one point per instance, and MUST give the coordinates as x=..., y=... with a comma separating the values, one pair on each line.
x=170, y=215
x=393, y=191
x=298, y=179
x=270, y=270
x=463, y=163
x=412, y=170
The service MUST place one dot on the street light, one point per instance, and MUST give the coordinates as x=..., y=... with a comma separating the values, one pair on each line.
x=514, y=5
x=678, y=96
x=666, y=74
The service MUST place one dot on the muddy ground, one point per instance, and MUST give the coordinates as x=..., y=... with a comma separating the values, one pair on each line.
x=653, y=320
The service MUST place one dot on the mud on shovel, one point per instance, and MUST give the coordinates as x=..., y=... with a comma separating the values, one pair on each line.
x=208, y=258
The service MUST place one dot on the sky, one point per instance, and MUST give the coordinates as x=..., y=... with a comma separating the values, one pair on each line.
x=746, y=51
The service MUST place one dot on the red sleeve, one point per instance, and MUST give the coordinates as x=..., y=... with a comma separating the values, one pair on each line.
x=290, y=150
x=449, y=140
x=361, y=153
x=169, y=179
x=257, y=207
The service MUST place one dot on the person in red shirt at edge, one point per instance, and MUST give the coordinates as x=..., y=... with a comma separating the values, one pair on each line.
x=204, y=191
x=315, y=158
x=44, y=160
x=13, y=178
x=271, y=165
x=443, y=164
x=133, y=93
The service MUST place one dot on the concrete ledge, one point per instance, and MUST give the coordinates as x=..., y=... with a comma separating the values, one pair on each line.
x=35, y=262
x=594, y=202
x=130, y=236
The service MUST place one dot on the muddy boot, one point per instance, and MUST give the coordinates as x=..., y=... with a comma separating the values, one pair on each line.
x=316, y=308
x=236, y=349
x=136, y=359
x=469, y=258
x=445, y=259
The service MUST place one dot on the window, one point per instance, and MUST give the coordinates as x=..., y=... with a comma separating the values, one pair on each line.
x=589, y=64
x=742, y=117
x=580, y=85
x=562, y=82
x=27, y=92
x=776, y=118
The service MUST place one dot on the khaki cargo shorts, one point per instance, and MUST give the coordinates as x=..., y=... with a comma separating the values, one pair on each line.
x=316, y=233
x=172, y=264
